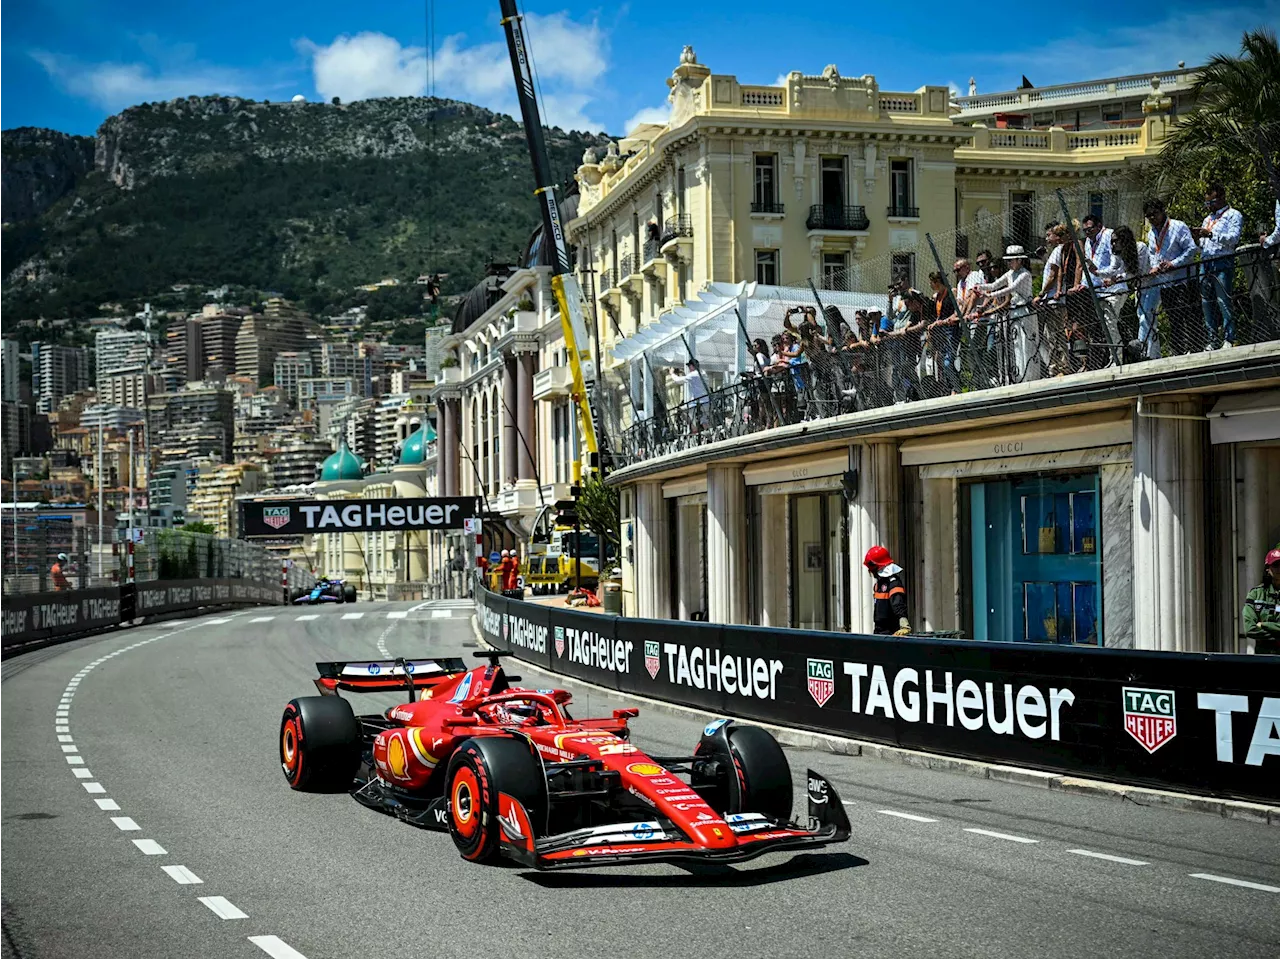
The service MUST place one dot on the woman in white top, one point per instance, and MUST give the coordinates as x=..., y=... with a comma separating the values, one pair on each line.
x=1015, y=289
x=1130, y=261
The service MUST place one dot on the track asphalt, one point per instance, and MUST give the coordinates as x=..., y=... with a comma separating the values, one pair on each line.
x=144, y=814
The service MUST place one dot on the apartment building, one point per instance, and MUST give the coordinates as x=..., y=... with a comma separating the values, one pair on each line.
x=57, y=371
x=192, y=422
x=213, y=500
x=298, y=463
x=118, y=353
x=290, y=368
x=129, y=389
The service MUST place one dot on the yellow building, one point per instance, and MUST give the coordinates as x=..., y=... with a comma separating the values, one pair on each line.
x=214, y=498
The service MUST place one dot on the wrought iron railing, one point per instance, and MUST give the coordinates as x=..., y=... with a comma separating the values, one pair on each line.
x=824, y=217
x=904, y=211
x=676, y=226
x=767, y=206
x=626, y=268
x=652, y=250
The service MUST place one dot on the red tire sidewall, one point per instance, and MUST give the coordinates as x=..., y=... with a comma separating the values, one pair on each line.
x=472, y=835
x=291, y=733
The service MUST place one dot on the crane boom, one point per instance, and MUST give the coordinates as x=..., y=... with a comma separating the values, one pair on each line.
x=563, y=282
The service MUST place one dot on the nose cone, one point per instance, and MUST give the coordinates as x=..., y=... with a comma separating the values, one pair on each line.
x=715, y=835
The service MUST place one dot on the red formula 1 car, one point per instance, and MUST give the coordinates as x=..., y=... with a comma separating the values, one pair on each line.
x=508, y=772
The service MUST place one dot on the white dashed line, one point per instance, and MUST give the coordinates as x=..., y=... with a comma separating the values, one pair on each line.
x=216, y=622
x=1000, y=835
x=847, y=802
x=222, y=908
x=70, y=749
x=82, y=773
x=125, y=824
x=94, y=788
x=74, y=760
x=306, y=618
x=398, y=614
x=108, y=804
x=905, y=815
x=276, y=948
x=182, y=875
x=150, y=847
x=62, y=729
x=353, y=615
x=1108, y=858
x=441, y=614
x=64, y=739
x=262, y=619
x=1234, y=882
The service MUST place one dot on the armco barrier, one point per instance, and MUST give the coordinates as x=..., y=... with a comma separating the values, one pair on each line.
x=1207, y=724
x=36, y=619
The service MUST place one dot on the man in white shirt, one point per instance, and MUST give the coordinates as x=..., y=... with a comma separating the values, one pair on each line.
x=695, y=389
x=1098, y=260
x=1173, y=251
x=1219, y=235
x=1273, y=238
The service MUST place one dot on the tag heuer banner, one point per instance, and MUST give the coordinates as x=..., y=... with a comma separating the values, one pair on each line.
x=296, y=517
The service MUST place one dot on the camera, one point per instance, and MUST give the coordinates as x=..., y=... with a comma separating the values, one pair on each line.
x=1040, y=252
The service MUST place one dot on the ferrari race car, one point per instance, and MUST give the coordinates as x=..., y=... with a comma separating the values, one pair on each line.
x=509, y=773
x=325, y=591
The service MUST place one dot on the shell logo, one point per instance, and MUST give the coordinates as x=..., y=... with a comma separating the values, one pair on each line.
x=645, y=769
x=396, y=759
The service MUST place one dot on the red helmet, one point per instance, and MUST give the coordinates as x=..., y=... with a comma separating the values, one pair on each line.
x=876, y=557
x=1272, y=557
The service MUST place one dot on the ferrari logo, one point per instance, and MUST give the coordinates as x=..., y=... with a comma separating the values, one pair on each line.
x=1149, y=716
x=822, y=680
x=275, y=516
x=651, y=661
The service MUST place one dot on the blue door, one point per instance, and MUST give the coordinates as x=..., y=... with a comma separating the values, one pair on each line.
x=1036, y=560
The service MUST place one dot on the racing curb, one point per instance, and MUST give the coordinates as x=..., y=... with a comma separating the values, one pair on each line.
x=842, y=746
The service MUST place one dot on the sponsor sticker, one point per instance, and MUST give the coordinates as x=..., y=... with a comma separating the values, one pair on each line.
x=559, y=640
x=817, y=790
x=276, y=516
x=822, y=680
x=651, y=660
x=397, y=760
x=1149, y=716
x=643, y=830
x=646, y=769
x=712, y=727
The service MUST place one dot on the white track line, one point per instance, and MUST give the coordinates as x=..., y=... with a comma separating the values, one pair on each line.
x=108, y=804
x=70, y=749
x=398, y=614
x=262, y=619
x=63, y=738
x=125, y=824
x=1234, y=882
x=905, y=815
x=93, y=788
x=183, y=876
x=1000, y=835
x=150, y=847
x=75, y=760
x=82, y=773
x=276, y=948
x=216, y=622
x=222, y=908
x=307, y=617
x=353, y=615
x=1108, y=858
x=441, y=614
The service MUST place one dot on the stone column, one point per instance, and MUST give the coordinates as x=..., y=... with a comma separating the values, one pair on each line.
x=510, y=441
x=524, y=416
x=873, y=520
x=726, y=545
x=444, y=447
x=652, y=587
x=1168, y=527
x=938, y=589
x=775, y=579
x=452, y=418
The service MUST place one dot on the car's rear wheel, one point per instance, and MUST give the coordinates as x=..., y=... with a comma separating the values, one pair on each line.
x=348, y=594
x=479, y=770
x=761, y=768
x=319, y=743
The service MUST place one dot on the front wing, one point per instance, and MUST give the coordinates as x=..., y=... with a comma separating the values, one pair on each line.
x=647, y=842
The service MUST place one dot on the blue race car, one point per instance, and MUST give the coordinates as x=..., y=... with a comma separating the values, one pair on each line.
x=325, y=591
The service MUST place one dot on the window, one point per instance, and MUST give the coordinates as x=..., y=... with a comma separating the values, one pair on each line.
x=835, y=271
x=635, y=241
x=1112, y=116
x=680, y=191
x=833, y=186
x=1022, y=209
x=767, y=267
x=900, y=188
x=766, y=183
x=902, y=267
x=1096, y=205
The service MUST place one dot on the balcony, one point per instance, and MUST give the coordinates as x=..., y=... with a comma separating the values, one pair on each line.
x=904, y=212
x=677, y=232
x=767, y=208
x=552, y=382
x=837, y=219
x=653, y=265
x=609, y=292
x=630, y=279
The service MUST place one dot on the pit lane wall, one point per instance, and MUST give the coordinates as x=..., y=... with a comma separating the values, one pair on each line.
x=31, y=620
x=1207, y=724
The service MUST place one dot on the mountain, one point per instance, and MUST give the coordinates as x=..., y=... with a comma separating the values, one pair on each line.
x=307, y=199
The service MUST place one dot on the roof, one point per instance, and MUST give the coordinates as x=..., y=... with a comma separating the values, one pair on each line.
x=482, y=296
x=342, y=465
x=415, y=445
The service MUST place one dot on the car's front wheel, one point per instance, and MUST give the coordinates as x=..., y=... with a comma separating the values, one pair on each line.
x=479, y=771
x=757, y=762
x=319, y=743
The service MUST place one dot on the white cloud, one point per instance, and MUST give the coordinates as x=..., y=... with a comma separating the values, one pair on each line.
x=570, y=59
x=114, y=86
x=648, y=115
x=781, y=81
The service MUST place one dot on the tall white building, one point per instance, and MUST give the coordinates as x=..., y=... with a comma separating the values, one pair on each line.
x=57, y=371
x=9, y=369
x=118, y=352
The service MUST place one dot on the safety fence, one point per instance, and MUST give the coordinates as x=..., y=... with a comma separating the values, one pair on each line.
x=1201, y=723
x=807, y=354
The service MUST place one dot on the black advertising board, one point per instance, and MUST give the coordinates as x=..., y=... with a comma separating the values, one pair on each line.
x=297, y=517
x=36, y=617
x=1199, y=723
x=167, y=596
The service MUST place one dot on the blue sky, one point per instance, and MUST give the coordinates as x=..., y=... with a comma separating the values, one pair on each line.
x=68, y=64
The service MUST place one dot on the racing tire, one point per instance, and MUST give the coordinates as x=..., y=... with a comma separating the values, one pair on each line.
x=297, y=594
x=319, y=744
x=348, y=594
x=478, y=771
x=764, y=776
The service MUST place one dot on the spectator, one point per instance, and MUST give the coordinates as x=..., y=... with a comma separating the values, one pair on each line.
x=903, y=341
x=1219, y=235
x=944, y=334
x=780, y=384
x=695, y=389
x=1098, y=258
x=1059, y=309
x=1011, y=296
x=58, y=572
x=1260, y=617
x=1273, y=238
x=1130, y=262
x=1172, y=250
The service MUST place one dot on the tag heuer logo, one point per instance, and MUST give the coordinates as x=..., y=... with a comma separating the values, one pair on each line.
x=1149, y=716
x=822, y=680
x=275, y=516
x=651, y=661
x=506, y=625
x=559, y=640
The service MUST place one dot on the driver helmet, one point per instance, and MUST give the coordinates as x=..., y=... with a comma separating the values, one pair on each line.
x=63, y=558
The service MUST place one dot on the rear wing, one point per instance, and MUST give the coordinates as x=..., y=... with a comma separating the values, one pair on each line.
x=386, y=675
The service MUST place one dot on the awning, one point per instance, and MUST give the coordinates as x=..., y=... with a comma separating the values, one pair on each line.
x=1245, y=418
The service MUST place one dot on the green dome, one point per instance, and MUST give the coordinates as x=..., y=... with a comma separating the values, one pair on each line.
x=415, y=445
x=342, y=465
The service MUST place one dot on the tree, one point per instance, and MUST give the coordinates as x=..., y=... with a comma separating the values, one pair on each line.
x=199, y=527
x=598, y=507
x=1236, y=123
x=336, y=101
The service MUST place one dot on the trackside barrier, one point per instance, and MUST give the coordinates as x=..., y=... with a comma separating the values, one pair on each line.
x=37, y=619
x=1207, y=724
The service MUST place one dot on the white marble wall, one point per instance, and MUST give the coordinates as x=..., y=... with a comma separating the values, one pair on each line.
x=726, y=545
x=1116, y=517
x=873, y=520
x=652, y=586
